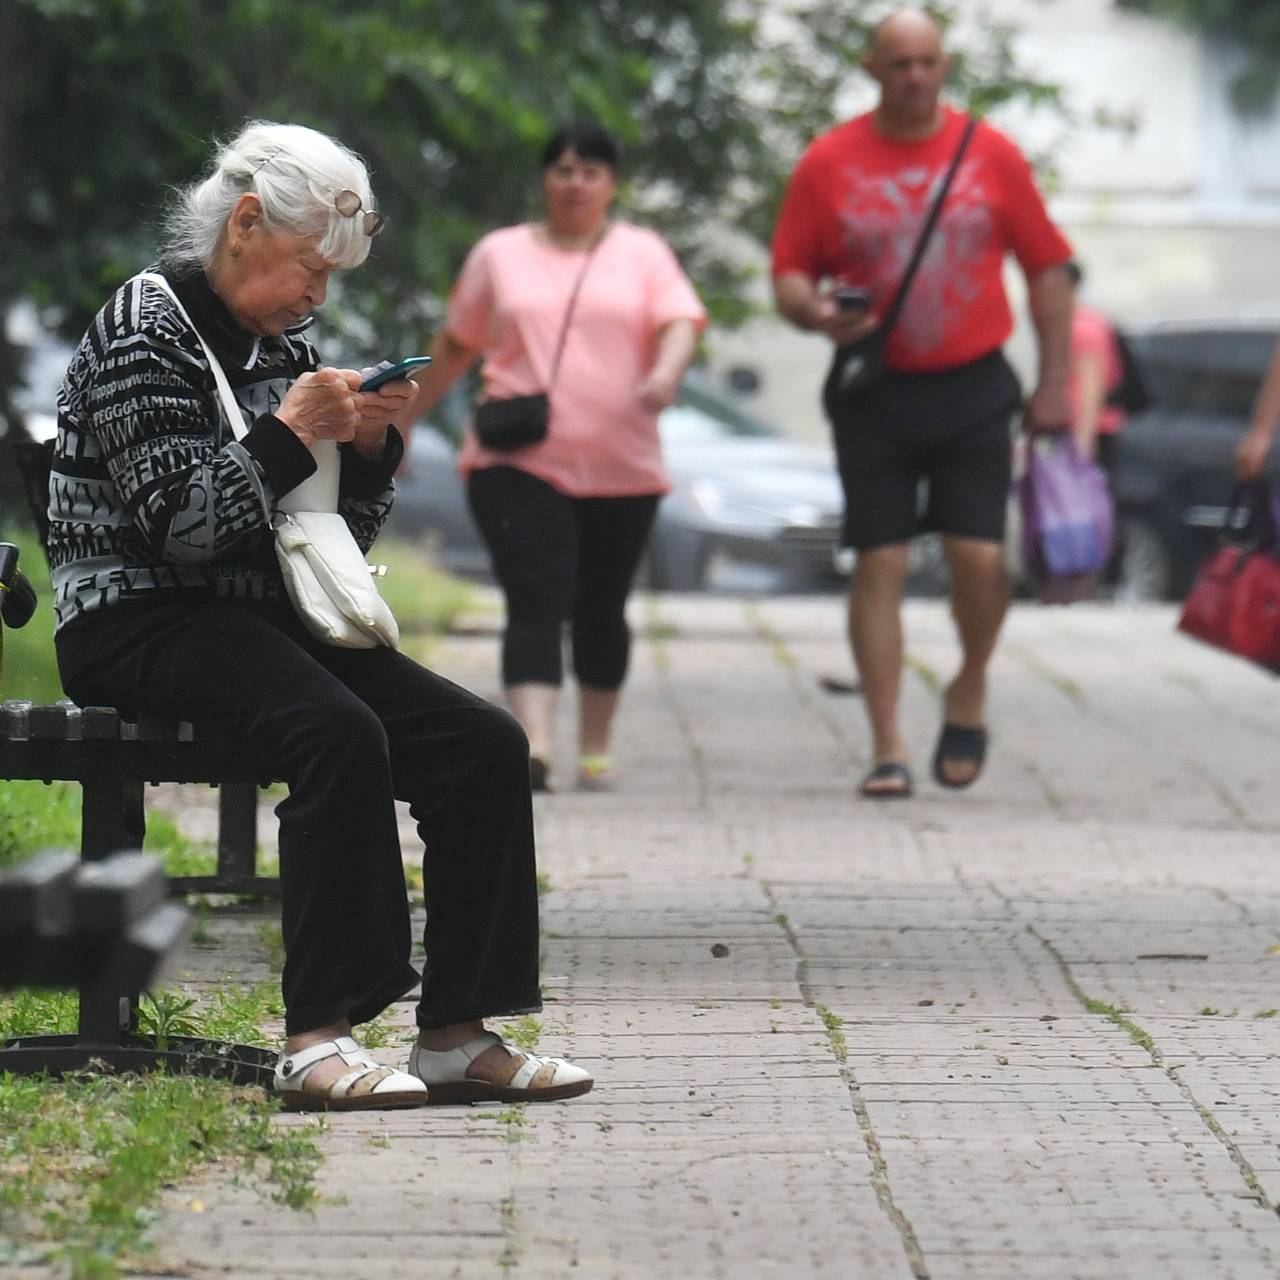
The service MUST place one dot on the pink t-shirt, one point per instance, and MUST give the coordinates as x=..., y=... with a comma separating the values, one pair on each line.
x=1092, y=334
x=509, y=303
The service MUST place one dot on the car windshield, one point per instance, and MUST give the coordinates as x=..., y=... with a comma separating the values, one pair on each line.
x=701, y=416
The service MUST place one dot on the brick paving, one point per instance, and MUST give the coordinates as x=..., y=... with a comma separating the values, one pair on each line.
x=1028, y=1030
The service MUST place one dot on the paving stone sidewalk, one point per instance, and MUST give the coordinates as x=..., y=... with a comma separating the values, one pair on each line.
x=1028, y=1030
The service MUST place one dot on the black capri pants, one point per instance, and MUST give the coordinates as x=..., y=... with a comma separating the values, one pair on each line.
x=559, y=560
x=350, y=731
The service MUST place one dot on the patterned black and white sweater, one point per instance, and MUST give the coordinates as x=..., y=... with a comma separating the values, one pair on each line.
x=151, y=495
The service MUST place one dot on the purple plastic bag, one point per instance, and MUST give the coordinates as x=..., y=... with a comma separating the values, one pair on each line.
x=1068, y=519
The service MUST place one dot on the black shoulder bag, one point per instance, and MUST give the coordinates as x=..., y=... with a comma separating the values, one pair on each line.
x=515, y=421
x=860, y=365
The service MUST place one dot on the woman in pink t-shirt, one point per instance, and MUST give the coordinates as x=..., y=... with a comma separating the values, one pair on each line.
x=1096, y=372
x=566, y=519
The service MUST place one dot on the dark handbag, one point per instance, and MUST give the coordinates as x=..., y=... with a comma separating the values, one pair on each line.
x=858, y=366
x=1234, y=602
x=512, y=422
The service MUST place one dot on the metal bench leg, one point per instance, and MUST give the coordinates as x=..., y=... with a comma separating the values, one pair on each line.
x=112, y=818
x=237, y=830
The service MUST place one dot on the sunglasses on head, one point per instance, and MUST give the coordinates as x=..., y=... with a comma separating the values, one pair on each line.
x=348, y=203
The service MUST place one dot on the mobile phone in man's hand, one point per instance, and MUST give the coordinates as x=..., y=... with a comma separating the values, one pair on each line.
x=852, y=297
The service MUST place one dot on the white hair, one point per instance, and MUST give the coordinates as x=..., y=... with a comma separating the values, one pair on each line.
x=297, y=174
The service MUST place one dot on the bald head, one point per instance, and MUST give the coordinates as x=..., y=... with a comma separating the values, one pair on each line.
x=903, y=25
x=906, y=59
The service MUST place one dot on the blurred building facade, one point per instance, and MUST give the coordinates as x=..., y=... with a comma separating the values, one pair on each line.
x=1176, y=213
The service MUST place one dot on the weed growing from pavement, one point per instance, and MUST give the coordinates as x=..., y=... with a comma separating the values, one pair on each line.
x=513, y=1119
x=524, y=1033
x=376, y=1033
x=544, y=884
x=1112, y=1014
x=165, y=1015
x=835, y=1033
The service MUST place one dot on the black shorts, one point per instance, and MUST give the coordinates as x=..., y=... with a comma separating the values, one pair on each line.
x=928, y=452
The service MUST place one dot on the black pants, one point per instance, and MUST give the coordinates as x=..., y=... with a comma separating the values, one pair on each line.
x=561, y=560
x=349, y=731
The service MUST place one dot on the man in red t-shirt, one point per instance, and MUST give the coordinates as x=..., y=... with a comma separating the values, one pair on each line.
x=928, y=446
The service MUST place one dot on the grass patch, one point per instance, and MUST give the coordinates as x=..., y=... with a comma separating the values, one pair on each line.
x=28, y=668
x=83, y=1161
x=423, y=597
x=271, y=935
x=35, y=816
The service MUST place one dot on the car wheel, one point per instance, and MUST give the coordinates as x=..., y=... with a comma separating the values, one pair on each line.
x=1145, y=569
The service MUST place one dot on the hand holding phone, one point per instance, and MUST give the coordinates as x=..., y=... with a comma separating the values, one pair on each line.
x=401, y=369
x=849, y=298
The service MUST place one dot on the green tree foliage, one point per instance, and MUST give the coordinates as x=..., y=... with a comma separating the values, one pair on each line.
x=1252, y=25
x=106, y=104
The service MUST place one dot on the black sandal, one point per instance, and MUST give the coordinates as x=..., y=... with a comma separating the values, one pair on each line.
x=892, y=772
x=961, y=743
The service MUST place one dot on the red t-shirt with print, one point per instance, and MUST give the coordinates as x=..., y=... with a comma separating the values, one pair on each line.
x=853, y=211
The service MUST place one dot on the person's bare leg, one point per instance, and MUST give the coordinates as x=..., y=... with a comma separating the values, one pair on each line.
x=596, y=709
x=875, y=636
x=979, y=602
x=534, y=705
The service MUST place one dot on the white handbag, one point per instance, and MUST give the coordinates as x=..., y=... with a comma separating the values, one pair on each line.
x=331, y=585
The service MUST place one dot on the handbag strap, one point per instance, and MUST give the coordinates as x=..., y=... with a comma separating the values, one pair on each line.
x=926, y=231
x=319, y=492
x=572, y=305
x=235, y=419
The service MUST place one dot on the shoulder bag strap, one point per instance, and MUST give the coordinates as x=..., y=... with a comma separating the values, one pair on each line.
x=569, y=309
x=235, y=418
x=926, y=231
x=319, y=492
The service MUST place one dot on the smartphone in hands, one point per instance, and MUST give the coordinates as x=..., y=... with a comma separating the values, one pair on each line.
x=850, y=298
x=401, y=369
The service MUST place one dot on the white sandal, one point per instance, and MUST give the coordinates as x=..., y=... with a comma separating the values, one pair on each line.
x=444, y=1072
x=369, y=1087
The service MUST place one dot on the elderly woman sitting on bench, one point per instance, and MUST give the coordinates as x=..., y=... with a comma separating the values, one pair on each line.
x=169, y=600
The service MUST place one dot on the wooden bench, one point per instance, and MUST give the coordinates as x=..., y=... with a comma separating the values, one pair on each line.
x=104, y=927
x=113, y=758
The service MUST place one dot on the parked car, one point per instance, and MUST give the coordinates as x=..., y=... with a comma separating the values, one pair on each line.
x=1174, y=472
x=749, y=509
